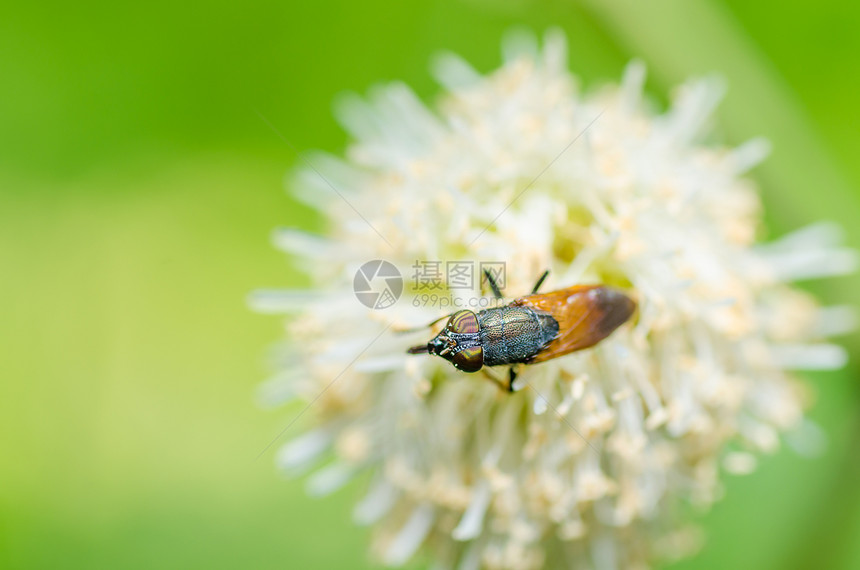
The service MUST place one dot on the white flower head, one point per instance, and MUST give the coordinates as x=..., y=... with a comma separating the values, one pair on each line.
x=593, y=461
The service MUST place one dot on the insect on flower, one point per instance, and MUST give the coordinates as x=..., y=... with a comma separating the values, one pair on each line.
x=530, y=329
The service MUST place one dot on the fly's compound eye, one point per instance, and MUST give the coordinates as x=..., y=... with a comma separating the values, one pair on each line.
x=469, y=359
x=463, y=322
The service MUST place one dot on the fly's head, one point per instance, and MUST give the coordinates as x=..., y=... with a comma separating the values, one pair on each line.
x=459, y=343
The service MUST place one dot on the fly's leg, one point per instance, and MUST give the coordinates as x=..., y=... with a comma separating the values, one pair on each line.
x=513, y=372
x=494, y=378
x=540, y=281
x=504, y=384
x=493, y=285
x=421, y=328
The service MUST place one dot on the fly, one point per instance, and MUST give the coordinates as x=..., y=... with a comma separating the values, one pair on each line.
x=530, y=329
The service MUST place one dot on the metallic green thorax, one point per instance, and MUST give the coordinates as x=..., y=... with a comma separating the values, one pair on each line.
x=512, y=335
x=507, y=335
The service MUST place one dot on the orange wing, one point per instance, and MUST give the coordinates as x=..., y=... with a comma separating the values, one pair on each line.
x=586, y=314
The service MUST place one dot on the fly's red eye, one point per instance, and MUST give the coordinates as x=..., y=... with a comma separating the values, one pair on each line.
x=469, y=359
x=463, y=322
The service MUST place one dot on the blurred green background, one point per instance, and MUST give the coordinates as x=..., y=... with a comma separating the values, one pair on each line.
x=139, y=189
